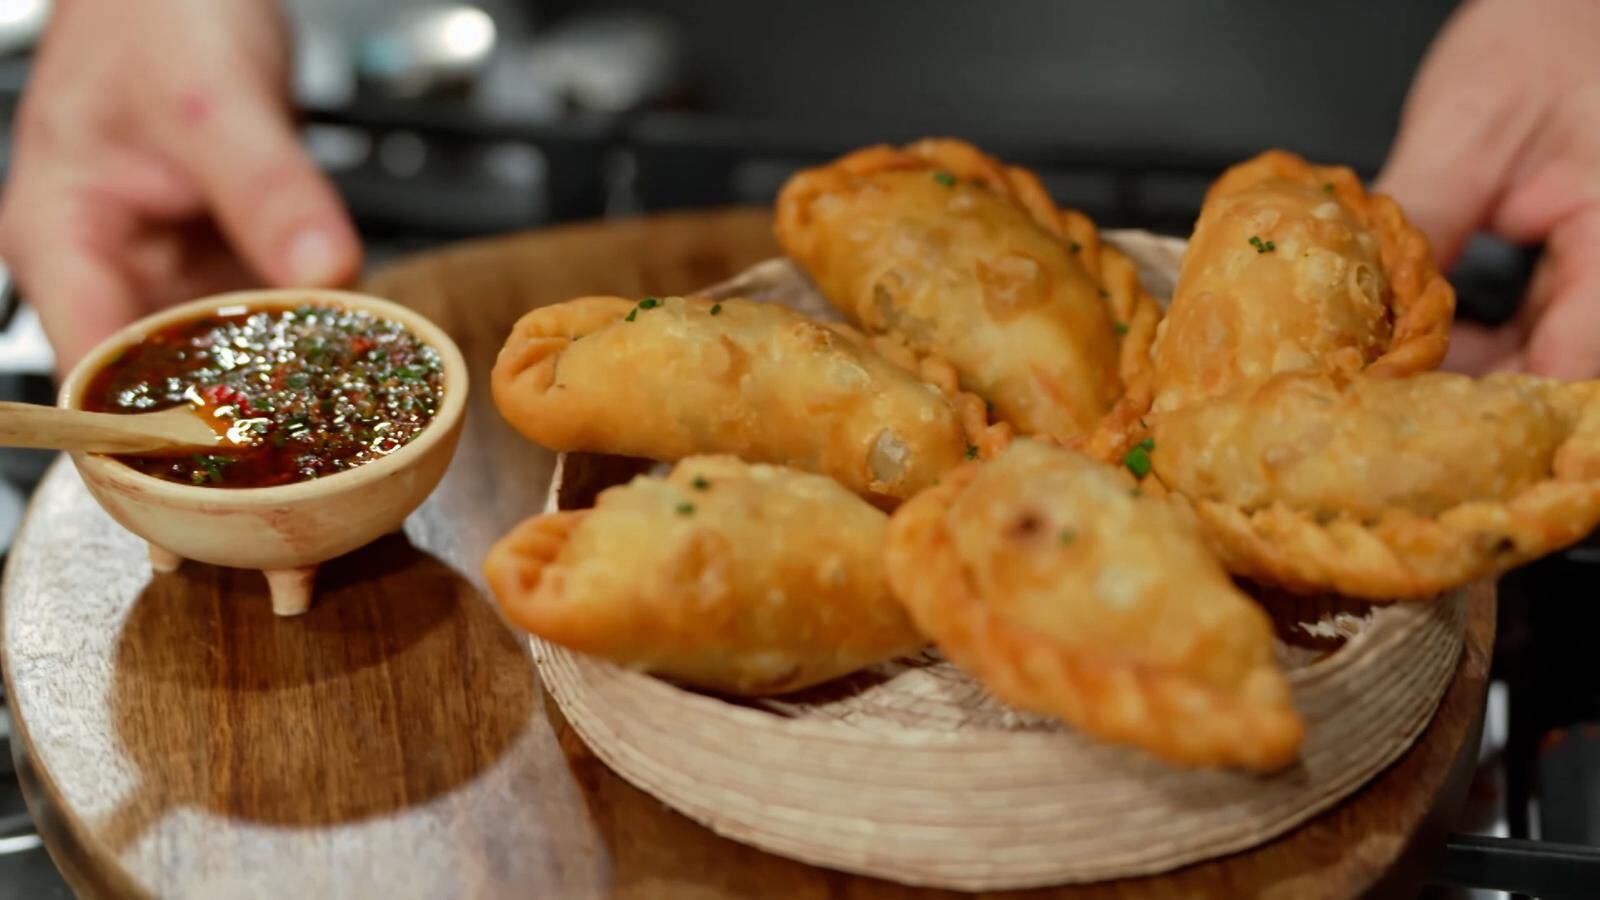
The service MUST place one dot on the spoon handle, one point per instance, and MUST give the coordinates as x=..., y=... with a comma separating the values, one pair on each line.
x=52, y=428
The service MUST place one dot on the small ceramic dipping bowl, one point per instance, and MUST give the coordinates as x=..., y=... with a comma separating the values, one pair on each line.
x=285, y=530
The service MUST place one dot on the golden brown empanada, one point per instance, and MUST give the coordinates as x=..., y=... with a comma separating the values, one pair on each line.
x=1295, y=267
x=1386, y=487
x=670, y=378
x=967, y=260
x=747, y=579
x=1049, y=577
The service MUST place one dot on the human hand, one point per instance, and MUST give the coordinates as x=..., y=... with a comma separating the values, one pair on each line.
x=155, y=160
x=1502, y=132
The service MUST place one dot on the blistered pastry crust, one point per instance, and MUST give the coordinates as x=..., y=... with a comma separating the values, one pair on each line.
x=1147, y=679
x=1103, y=323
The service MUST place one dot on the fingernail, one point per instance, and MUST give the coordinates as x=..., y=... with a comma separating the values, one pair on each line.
x=311, y=257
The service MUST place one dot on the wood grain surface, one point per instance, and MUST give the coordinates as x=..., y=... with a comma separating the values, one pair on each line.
x=177, y=740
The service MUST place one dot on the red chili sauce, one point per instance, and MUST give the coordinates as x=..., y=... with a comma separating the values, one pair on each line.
x=302, y=393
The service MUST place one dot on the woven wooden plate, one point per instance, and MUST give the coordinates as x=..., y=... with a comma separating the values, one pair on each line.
x=912, y=772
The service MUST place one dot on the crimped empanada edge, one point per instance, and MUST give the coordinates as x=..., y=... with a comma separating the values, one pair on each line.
x=527, y=361
x=1133, y=310
x=516, y=564
x=1406, y=555
x=1422, y=301
x=1178, y=721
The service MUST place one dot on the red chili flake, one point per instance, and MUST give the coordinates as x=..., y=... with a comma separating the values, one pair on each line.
x=222, y=395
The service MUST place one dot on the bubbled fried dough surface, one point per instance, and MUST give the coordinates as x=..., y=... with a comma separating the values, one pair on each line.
x=1361, y=447
x=747, y=579
x=1294, y=267
x=955, y=264
x=1387, y=488
x=669, y=378
x=1066, y=593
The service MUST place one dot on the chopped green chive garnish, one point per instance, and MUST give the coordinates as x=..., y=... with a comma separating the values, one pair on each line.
x=1121, y=327
x=1147, y=444
x=1067, y=535
x=1262, y=246
x=1138, y=461
x=716, y=309
x=685, y=509
x=972, y=452
x=649, y=303
x=210, y=468
x=632, y=314
x=945, y=178
x=700, y=484
x=1327, y=188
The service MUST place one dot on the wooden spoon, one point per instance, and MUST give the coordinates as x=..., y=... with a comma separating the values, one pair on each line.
x=181, y=429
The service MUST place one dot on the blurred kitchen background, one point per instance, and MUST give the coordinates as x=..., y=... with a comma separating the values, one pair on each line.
x=442, y=121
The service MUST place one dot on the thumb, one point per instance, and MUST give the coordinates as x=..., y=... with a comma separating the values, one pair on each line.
x=1564, y=341
x=278, y=210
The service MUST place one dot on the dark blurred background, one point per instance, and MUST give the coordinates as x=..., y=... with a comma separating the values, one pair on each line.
x=442, y=121
x=1127, y=109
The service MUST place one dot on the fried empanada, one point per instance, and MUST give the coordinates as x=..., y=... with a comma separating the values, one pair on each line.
x=1295, y=267
x=1049, y=577
x=746, y=579
x=1386, y=488
x=968, y=260
x=670, y=378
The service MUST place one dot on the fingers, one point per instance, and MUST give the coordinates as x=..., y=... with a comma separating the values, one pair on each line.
x=54, y=239
x=170, y=264
x=270, y=200
x=1496, y=135
x=78, y=291
x=1563, y=304
x=1447, y=173
x=100, y=303
x=1516, y=362
x=1556, y=332
x=1566, y=341
x=1478, y=350
x=1465, y=121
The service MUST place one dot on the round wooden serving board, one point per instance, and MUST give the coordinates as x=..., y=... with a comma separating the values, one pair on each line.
x=178, y=740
